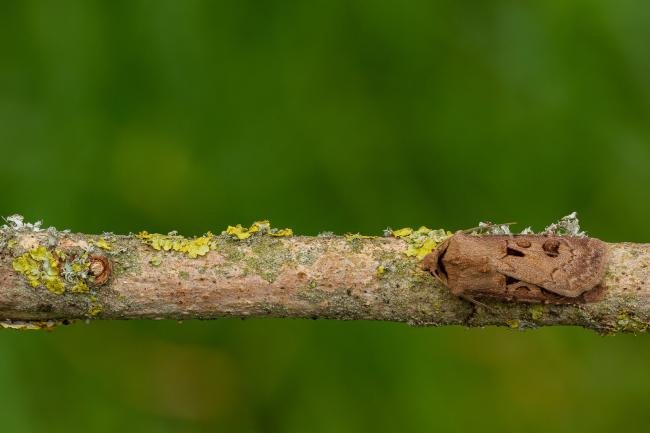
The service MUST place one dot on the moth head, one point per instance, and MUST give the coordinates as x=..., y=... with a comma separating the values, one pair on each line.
x=434, y=262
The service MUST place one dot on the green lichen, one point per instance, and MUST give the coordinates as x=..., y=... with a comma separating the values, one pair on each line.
x=536, y=311
x=184, y=275
x=628, y=322
x=307, y=257
x=513, y=323
x=156, y=260
x=125, y=260
x=232, y=253
x=267, y=258
x=94, y=310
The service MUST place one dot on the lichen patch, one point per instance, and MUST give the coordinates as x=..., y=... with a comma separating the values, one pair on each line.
x=262, y=227
x=193, y=247
x=419, y=242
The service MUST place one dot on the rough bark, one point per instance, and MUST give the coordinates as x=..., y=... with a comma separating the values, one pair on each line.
x=324, y=277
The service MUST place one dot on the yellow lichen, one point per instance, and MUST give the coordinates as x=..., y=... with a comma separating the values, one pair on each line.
x=156, y=261
x=94, y=310
x=41, y=267
x=406, y=231
x=80, y=267
x=380, y=270
x=513, y=323
x=101, y=243
x=239, y=232
x=282, y=233
x=192, y=247
x=420, y=251
x=80, y=287
x=263, y=227
x=29, y=268
x=422, y=241
x=197, y=246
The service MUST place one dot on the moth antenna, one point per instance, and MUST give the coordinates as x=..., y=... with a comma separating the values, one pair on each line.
x=478, y=303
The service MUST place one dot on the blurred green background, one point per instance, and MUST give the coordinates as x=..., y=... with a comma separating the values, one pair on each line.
x=324, y=115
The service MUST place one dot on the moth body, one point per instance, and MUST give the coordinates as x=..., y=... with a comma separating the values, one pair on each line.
x=528, y=268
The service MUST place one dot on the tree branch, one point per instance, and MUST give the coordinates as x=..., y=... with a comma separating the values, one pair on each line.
x=325, y=277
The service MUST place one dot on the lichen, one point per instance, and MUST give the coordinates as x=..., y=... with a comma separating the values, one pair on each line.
x=267, y=258
x=103, y=244
x=80, y=287
x=536, y=311
x=17, y=223
x=281, y=232
x=492, y=229
x=261, y=227
x=513, y=323
x=241, y=232
x=54, y=269
x=94, y=310
x=41, y=268
x=192, y=247
x=308, y=256
x=200, y=246
x=401, y=233
x=567, y=226
x=628, y=322
x=419, y=242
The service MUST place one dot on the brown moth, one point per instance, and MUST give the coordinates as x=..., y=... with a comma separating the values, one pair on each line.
x=525, y=268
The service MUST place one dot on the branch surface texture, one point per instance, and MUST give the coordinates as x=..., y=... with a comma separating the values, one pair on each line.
x=48, y=277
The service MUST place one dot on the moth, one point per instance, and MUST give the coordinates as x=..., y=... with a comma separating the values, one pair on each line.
x=524, y=268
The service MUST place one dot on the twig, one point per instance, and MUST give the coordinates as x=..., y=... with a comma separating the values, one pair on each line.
x=324, y=277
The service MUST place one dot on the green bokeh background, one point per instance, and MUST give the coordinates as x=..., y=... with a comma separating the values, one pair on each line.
x=324, y=115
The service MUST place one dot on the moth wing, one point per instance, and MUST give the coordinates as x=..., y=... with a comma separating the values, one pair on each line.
x=571, y=267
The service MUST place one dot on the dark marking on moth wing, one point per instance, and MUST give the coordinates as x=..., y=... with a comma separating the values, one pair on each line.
x=527, y=268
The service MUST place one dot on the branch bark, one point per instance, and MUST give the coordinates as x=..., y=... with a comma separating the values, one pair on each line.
x=324, y=277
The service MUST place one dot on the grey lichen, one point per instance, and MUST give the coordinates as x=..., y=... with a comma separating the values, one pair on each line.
x=568, y=225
